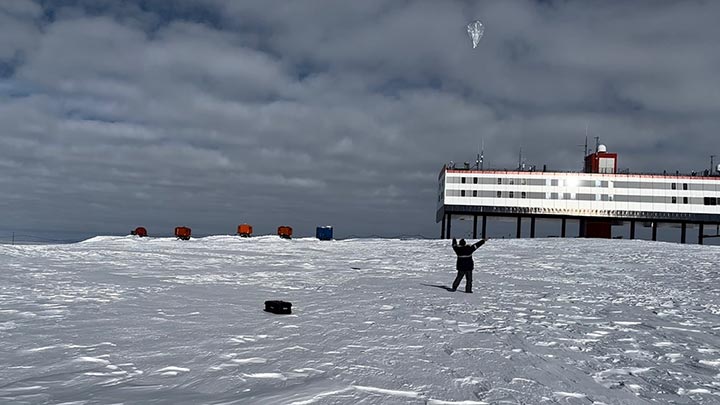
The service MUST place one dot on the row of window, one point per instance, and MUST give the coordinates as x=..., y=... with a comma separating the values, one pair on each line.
x=592, y=212
x=711, y=186
x=493, y=180
x=666, y=186
x=582, y=197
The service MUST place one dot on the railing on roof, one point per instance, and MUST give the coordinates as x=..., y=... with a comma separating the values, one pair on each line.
x=696, y=175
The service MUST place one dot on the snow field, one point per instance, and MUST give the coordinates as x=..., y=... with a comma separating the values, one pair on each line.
x=125, y=319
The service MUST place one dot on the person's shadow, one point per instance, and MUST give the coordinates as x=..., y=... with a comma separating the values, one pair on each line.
x=444, y=287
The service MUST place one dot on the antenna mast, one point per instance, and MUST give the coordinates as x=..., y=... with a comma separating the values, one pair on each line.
x=712, y=164
x=482, y=152
x=520, y=160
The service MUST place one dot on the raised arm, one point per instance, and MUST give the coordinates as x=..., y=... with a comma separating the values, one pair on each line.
x=454, y=242
x=479, y=243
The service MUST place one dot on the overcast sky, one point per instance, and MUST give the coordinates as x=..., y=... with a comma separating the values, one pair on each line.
x=212, y=113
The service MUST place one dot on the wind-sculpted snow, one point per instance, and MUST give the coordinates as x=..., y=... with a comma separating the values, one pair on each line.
x=156, y=320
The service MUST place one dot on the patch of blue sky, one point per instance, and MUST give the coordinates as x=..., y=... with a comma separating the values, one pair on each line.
x=12, y=88
x=7, y=68
x=152, y=14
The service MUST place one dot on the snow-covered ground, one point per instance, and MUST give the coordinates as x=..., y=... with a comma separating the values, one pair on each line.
x=156, y=320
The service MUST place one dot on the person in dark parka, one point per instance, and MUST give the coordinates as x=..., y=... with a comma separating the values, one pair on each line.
x=465, y=262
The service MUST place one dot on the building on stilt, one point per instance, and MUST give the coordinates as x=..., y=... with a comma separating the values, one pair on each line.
x=596, y=198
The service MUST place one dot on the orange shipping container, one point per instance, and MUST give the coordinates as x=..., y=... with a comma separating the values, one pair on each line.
x=285, y=232
x=183, y=232
x=245, y=230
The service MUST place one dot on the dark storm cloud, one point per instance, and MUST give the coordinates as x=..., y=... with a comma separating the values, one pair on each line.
x=211, y=113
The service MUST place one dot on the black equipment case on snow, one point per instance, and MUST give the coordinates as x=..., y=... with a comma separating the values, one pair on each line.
x=278, y=307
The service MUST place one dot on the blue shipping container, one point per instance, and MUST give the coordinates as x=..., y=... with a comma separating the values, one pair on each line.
x=324, y=232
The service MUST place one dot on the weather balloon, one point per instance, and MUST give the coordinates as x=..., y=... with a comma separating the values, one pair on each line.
x=475, y=29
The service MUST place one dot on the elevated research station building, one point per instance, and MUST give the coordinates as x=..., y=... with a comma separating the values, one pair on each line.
x=597, y=198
